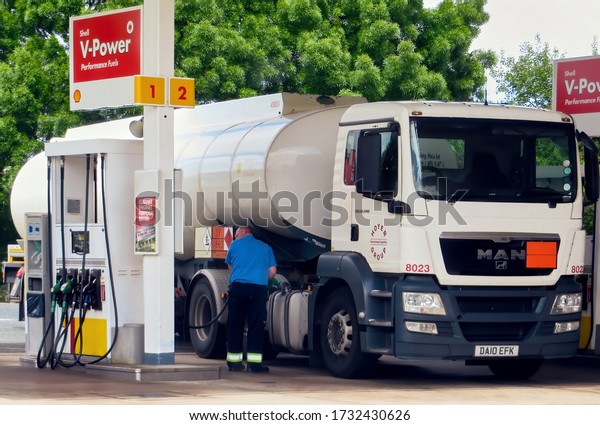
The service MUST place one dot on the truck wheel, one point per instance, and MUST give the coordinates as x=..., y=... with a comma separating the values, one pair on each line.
x=209, y=341
x=340, y=337
x=515, y=369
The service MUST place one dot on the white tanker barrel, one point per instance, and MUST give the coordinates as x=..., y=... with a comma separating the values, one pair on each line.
x=29, y=193
x=267, y=159
x=273, y=173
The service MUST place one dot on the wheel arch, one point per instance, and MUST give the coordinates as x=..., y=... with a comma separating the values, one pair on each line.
x=335, y=270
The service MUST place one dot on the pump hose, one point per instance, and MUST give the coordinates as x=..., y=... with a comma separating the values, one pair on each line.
x=50, y=328
x=109, y=263
x=82, y=287
x=214, y=319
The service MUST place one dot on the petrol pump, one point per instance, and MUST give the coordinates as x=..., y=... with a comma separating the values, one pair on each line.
x=95, y=287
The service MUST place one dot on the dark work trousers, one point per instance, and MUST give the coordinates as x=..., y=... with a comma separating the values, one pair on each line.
x=247, y=303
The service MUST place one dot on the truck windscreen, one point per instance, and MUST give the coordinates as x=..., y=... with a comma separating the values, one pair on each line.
x=493, y=160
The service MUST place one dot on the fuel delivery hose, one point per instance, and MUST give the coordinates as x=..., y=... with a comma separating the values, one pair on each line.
x=61, y=284
x=51, y=327
x=109, y=262
x=214, y=319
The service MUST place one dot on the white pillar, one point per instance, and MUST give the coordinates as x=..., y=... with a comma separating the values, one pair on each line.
x=158, y=270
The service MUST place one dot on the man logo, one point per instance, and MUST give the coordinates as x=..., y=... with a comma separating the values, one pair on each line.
x=501, y=254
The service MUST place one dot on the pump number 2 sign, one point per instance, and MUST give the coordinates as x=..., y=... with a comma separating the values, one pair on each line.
x=182, y=92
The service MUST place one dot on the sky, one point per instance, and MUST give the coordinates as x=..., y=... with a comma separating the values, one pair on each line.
x=567, y=25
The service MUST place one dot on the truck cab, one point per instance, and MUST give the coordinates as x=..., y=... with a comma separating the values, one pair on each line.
x=465, y=227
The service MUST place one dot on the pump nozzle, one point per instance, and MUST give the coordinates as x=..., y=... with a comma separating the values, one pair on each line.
x=65, y=289
x=55, y=291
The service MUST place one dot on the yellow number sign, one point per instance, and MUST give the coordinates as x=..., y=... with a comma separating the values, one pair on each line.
x=182, y=92
x=149, y=90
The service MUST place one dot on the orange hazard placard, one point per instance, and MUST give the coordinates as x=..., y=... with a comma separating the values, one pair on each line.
x=541, y=255
x=221, y=239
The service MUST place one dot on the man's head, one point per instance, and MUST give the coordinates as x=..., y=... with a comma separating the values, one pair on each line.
x=243, y=231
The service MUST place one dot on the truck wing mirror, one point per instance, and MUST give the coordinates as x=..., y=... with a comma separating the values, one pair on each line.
x=368, y=165
x=592, y=173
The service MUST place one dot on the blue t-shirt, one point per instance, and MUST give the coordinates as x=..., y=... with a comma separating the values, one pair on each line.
x=250, y=260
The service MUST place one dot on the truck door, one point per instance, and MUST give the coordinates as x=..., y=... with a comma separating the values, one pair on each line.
x=372, y=168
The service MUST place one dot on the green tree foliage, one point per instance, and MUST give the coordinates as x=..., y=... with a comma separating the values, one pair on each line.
x=527, y=80
x=380, y=49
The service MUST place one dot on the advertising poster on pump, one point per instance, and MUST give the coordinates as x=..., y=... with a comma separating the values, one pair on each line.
x=145, y=225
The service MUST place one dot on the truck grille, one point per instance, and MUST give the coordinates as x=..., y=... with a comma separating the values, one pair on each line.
x=497, y=305
x=486, y=257
x=497, y=332
x=490, y=315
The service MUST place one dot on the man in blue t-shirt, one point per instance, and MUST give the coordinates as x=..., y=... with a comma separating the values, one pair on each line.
x=252, y=265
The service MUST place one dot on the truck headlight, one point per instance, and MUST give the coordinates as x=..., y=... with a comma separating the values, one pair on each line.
x=566, y=304
x=423, y=303
x=422, y=327
x=562, y=327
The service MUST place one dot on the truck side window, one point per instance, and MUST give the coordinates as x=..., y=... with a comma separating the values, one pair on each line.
x=350, y=158
x=376, y=164
x=389, y=163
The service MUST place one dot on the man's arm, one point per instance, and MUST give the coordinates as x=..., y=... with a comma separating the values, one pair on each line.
x=272, y=272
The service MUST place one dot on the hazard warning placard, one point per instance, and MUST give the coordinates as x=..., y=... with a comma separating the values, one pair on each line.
x=213, y=242
x=221, y=240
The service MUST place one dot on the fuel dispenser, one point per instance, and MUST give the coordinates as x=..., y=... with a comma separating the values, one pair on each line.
x=92, y=283
x=38, y=285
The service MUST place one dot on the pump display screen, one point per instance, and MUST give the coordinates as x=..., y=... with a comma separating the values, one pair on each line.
x=80, y=242
x=494, y=160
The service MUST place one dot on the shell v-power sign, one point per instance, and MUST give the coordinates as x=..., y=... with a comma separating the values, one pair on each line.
x=106, y=65
x=106, y=54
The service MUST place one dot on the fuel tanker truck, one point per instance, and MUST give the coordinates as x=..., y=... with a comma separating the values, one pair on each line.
x=419, y=230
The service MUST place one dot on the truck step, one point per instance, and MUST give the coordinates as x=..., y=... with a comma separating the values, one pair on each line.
x=380, y=350
x=381, y=323
x=379, y=293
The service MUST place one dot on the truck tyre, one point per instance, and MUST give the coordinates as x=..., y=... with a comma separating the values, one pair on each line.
x=520, y=369
x=209, y=341
x=340, y=337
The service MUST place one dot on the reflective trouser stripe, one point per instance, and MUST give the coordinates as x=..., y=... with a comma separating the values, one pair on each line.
x=235, y=357
x=254, y=358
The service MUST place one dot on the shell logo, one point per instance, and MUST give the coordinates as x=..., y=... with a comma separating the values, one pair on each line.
x=77, y=96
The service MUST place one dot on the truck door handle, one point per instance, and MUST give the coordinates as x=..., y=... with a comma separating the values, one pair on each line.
x=354, y=232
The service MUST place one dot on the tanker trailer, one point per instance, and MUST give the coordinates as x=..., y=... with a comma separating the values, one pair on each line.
x=422, y=230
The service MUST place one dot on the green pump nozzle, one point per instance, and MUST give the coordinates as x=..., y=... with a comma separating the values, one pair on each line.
x=55, y=291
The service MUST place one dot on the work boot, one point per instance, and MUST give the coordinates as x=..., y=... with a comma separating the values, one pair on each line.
x=257, y=368
x=235, y=366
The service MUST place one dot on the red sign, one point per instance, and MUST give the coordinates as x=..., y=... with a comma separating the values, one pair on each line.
x=145, y=211
x=577, y=85
x=106, y=45
x=145, y=224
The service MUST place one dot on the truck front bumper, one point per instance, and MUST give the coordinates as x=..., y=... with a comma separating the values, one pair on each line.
x=486, y=323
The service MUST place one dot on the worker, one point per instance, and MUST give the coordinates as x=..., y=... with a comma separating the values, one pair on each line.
x=252, y=265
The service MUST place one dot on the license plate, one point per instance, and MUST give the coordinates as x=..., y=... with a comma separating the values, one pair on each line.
x=496, y=350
